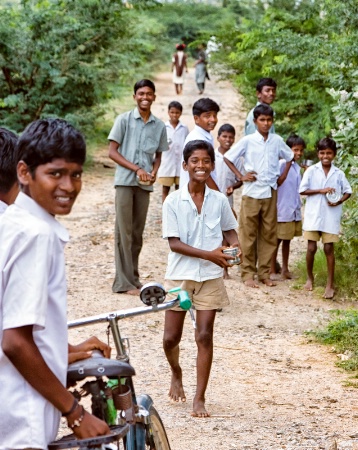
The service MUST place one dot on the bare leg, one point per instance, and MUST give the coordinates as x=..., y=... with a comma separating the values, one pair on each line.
x=165, y=192
x=285, y=255
x=273, y=272
x=311, y=251
x=329, y=252
x=173, y=329
x=177, y=89
x=204, y=341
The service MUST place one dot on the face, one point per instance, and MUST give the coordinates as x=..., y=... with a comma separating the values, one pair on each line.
x=226, y=139
x=54, y=185
x=207, y=120
x=199, y=166
x=144, y=97
x=297, y=151
x=174, y=115
x=326, y=156
x=263, y=123
x=267, y=95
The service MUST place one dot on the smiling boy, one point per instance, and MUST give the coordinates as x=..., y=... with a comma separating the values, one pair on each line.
x=136, y=142
x=34, y=350
x=258, y=215
x=266, y=94
x=195, y=219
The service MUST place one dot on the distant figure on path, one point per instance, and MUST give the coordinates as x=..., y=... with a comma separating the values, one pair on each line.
x=200, y=68
x=178, y=67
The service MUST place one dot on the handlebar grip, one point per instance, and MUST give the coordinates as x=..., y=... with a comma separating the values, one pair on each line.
x=184, y=300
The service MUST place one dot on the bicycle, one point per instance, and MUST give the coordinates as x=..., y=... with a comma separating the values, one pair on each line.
x=134, y=421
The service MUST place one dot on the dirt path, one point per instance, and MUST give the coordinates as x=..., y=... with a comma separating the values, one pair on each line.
x=269, y=388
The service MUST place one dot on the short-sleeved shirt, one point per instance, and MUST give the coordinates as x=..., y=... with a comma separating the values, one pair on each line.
x=204, y=231
x=225, y=176
x=288, y=197
x=172, y=160
x=138, y=142
x=262, y=157
x=318, y=215
x=250, y=126
x=200, y=134
x=32, y=292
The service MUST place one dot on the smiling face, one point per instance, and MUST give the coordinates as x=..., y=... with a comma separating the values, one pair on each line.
x=326, y=156
x=297, y=151
x=207, y=120
x=267, y=95
x=54, y=185
x=226, y=139
x=144, y=97
x=199, y=166
x=263, y=123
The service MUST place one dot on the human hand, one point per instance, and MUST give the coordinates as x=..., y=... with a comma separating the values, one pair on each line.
x=250, y=176
x=229, y=191
x=327, y=190
x=144, y=176
x=84, y=349
x=90, y=426
x=219, y=258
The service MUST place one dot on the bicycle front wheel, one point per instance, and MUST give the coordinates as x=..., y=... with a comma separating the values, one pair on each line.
x=156, y=437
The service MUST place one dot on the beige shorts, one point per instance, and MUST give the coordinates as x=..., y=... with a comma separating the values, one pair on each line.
x=288, y=230
x=205, y=295
x=327, y=238
x=168, y=181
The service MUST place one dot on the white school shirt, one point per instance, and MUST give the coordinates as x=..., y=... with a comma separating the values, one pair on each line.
x=288, y=198
x=3, y=207
x=318, y=215
x=32, y=292
x=172, y=159
x=262, y=157
x=197, y=134
x=225, y=176
x=204, y=231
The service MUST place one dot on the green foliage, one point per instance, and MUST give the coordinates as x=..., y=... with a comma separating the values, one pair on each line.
x=342, y=333
x=61, y=57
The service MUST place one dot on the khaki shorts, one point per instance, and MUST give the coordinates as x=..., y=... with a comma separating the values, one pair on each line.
x=288, y=230
x=205, y=295
x=168, y=181
x=327, y=238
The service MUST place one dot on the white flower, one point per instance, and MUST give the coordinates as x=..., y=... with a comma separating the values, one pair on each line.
x=344, y=95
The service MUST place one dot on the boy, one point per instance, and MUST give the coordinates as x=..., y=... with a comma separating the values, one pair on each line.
x=9, y=187
x=136, y=143
x=322, y=215
x=258, y=214
x=195, y=218
x=289, y=218
x=169, y=170
x=34, y=350
x=205, y=112
x=266, y=94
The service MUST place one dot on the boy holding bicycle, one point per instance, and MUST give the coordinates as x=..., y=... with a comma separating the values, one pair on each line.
x=34, y=351
x=195, y=219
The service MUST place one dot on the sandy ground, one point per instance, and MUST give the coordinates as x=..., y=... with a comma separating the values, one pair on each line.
x=270, y=388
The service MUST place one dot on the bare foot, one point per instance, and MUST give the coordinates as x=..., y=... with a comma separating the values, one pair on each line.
x=286, y=275
x=309, y=285
x=176, y=391
x=132, y=292
x=275, y=276
x=268, y=282
x=329, y=293
x=199, y=409
x=226, y=275
x=251, y=283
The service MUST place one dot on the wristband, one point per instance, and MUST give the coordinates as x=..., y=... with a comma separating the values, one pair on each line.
x=77, y=422
x=73, y=407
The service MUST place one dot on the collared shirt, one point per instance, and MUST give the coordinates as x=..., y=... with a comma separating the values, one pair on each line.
x=318, y=215
x=288, y=197
x=262, y=157
x=200, y=134
x=172, y=160
x=32, y=292
x=3, y=207
x=250, y=126
x=225, y=176
x=138, y=142
x=182, y=220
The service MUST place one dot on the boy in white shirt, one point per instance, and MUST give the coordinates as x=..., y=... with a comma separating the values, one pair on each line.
x=34, y=351
x=195, y=218
x=169, y=170
x=321, y=183
x=9, y=187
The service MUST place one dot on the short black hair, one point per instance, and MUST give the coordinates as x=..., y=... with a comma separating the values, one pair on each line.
x=263, y=110
x=294, y=139
x=8, y=160
x=191, y=146
x=175, y=104
x=265, y=82
x=144, y=83
x=325, y=143
x=47, y=139
x=204, y=105
x=228, y=128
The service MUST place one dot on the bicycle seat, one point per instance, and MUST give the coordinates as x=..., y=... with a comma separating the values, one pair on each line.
x=98, y=366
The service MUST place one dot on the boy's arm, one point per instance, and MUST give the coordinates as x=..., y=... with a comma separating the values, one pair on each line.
x=156, y=164
x=84, y=349
x=343, y=199
x=284, y=174
x=211, y=184
x=230, y=189
x=317, y=191
x=250, y=176
x=20, y=348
